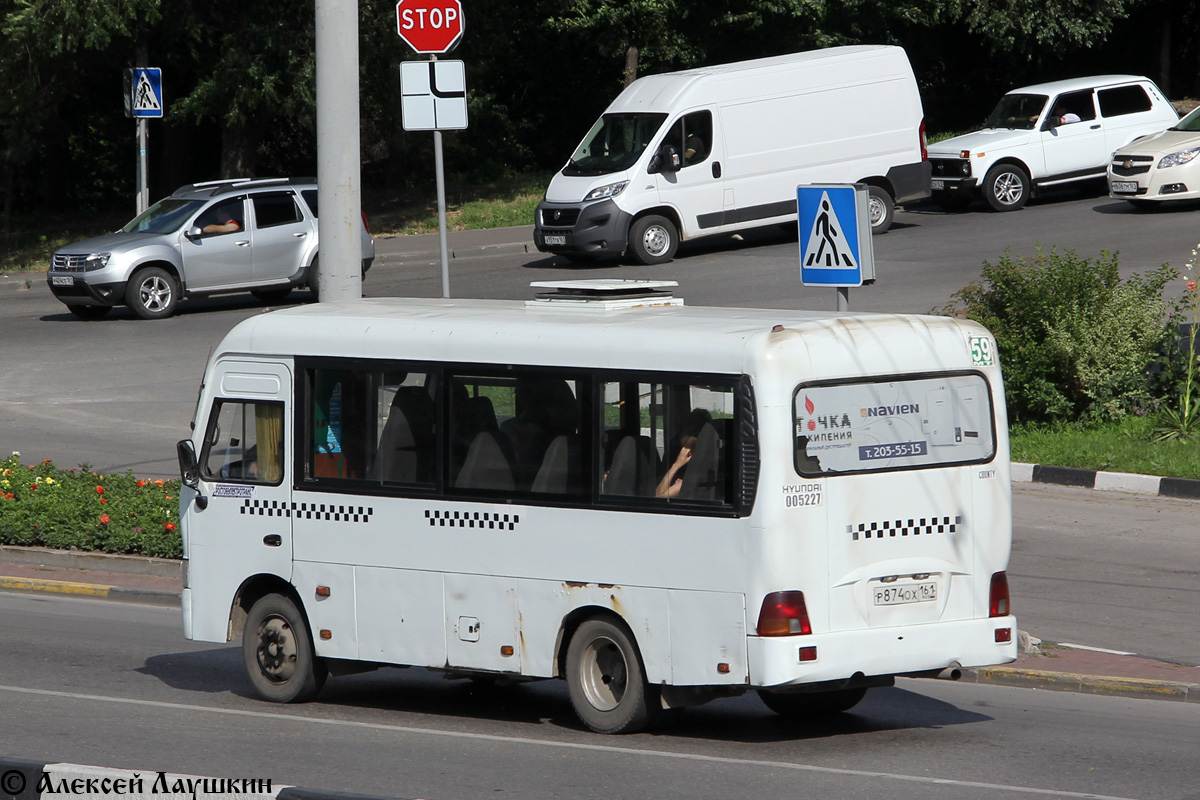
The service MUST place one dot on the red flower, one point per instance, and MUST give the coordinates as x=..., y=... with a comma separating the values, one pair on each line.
x=99, y=490
x=1191, y=286
x=170, y=526
x=104, y=519
x=33, y=486
x=141, y=484
x=103, y=499
x=158, y=483
x=9, y=496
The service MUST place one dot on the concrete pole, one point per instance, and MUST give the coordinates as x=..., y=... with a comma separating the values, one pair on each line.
x=340, y=224
x=143, y=167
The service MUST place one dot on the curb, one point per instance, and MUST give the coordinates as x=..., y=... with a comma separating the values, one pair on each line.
x=25, y=780
x=83, y=559
x=1085, y=684
x=1130, y=483
x=93, y=590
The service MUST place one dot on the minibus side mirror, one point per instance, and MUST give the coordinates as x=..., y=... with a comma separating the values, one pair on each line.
x=665, y=160
x=189, y=465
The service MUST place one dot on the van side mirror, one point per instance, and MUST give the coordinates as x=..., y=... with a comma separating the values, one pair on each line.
x=665, y=160
x=189, y=465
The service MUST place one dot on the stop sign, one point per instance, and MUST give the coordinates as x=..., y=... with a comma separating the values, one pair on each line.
x=429, y=26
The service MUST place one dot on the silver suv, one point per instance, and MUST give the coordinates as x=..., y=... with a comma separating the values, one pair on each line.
x=206, y=238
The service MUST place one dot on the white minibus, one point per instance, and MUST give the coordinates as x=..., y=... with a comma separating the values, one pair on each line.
x=662, y=504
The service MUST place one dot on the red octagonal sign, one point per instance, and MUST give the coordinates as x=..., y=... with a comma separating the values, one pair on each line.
x=430, y=26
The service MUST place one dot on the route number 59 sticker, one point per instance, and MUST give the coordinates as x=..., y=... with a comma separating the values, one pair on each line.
x=983, y=351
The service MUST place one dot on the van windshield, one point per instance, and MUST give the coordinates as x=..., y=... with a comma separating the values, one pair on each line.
x=1019, y=111
x=614, y=143
x=164, y=216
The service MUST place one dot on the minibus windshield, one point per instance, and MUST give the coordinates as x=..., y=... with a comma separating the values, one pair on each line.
x=614, y=143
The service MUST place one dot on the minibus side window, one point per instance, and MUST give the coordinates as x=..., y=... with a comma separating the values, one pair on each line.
x=667, y=441
x=516, y=433
x=244, y=443
x=376, y=426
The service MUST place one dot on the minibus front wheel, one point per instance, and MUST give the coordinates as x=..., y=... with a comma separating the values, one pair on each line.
x=606, y=680
x=278, y=652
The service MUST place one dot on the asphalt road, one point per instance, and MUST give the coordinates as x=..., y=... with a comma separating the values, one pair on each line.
x=114, y=684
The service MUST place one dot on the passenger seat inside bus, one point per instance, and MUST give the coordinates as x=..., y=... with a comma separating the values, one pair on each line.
x=406, y=446
x=488, y=464
x=560, y=471
x=702, y=479
x=634, y=468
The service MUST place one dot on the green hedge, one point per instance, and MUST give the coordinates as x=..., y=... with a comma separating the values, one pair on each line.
x=42, y=505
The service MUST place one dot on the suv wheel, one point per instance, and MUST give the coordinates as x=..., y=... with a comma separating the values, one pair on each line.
x=1006, y=187
x=152, y=293
x=314, y=278
x=90, y=312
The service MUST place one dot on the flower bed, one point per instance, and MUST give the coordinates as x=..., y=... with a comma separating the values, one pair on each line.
x=42, y=505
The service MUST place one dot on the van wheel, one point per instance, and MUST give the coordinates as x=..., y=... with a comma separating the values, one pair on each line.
x=278, y=652
x=90, y=312
x=799, y=705
x=653, y=240
x=1006, y=187
x=152, y=293
x=880, y=209
x=606, y=681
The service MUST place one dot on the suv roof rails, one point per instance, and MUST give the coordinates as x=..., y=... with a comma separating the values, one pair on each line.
x=605, y=294
x=231, y=183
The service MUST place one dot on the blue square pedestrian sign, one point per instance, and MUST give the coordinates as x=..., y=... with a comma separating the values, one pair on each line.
x=146, y=92
x=835, y=235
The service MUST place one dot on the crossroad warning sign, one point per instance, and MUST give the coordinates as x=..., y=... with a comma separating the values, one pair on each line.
x=433, y=95
x=145, y=89
x=835, y=235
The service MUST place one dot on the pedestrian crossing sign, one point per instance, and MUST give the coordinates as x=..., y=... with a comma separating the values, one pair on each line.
x=835, y=235
x=146, y=95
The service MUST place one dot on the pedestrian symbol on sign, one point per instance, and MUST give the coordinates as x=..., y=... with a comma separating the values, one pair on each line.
x=827, y=246
x=144, y=98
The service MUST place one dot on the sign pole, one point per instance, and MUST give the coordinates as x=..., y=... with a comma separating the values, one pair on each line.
x=440, y=176
x=143, y=167
x=843, y=298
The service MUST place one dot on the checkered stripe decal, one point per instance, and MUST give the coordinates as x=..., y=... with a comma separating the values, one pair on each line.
x=472, y=519
x=329, y=512
x=891, y=529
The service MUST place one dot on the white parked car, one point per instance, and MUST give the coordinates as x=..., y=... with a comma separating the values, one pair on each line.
x=1160, y=167
x=1046, y=135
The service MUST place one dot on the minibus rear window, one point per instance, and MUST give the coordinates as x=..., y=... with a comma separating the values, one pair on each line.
x=893, y=424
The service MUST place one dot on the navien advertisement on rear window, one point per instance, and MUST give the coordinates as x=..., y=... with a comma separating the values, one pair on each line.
x=898, y=423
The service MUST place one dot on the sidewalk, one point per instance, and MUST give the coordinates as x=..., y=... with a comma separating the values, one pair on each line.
x=1056, y=667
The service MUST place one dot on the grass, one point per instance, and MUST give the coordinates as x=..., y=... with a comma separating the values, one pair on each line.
x=498, y=204
x=1123, y=447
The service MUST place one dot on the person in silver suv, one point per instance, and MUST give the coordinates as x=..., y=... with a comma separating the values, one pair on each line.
x=206, y=238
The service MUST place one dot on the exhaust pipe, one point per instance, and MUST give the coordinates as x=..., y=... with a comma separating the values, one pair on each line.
x=950, y=673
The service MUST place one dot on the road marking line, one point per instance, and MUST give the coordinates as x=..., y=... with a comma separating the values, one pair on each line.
x=599, y=748
x=61, y=587
x=1095, y=649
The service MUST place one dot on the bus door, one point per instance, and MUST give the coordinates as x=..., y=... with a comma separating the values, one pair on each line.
x=244, y=472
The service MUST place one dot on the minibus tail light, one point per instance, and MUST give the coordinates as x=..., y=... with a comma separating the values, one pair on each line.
x=998, y=599
x=783, y=614
x=924, y=142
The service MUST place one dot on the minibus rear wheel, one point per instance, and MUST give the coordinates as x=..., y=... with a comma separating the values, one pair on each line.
x=653, y=239
x=278, y=652
x=799, y=705
x=606, y=680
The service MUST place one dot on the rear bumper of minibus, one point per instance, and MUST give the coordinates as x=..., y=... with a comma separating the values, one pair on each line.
x=776, y=661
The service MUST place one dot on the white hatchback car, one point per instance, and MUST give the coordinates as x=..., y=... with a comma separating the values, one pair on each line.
x=1164, y=166
x=1045, y=135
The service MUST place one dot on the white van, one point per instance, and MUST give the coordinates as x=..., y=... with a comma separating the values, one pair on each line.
x=661, y=504
x=723, y=148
